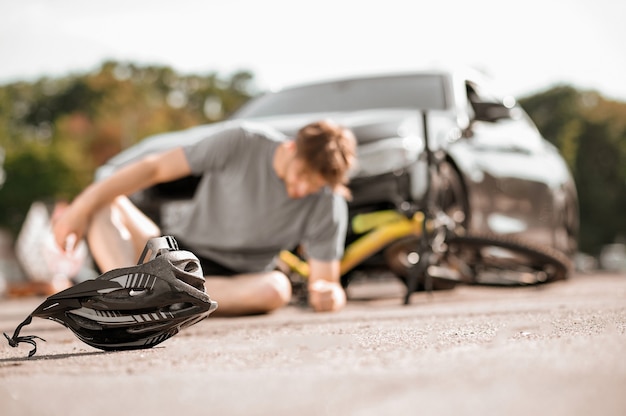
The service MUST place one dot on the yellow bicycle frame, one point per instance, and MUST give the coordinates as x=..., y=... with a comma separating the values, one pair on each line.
x=382, y=227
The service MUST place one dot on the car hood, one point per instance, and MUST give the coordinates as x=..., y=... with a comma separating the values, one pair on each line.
x=369, y=127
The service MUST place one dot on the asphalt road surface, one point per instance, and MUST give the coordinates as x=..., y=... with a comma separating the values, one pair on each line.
x=559, y=349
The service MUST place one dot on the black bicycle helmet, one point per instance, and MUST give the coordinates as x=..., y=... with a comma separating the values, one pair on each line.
x=133, y=307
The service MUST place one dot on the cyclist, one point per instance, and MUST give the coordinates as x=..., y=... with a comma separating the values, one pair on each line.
x=260, y=193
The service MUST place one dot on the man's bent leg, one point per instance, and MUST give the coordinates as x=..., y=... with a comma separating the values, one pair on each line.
x=249, y=294
x=140, y=227
x=118, y=233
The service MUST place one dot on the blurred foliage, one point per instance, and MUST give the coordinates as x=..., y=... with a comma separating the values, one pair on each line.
x=590, y=132
x=56, y=131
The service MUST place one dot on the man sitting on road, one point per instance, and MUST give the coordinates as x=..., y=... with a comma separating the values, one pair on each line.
x=260, y=193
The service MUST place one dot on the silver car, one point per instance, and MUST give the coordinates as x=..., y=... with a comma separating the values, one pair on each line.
x=502, y=176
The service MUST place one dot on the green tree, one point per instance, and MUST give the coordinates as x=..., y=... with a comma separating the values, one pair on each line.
x=57, y=131
x=35, y=172
x=602, y=187
x=590, y=132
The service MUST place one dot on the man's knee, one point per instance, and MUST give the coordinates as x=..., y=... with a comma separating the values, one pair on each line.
x=105, y=218
x=276, y=290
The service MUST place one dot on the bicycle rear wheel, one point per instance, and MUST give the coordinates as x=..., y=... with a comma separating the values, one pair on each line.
x=492, y=259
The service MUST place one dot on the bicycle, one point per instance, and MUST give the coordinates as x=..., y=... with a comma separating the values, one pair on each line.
x=429, y=247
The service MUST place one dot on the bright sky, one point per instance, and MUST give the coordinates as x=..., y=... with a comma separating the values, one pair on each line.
x=526, y=46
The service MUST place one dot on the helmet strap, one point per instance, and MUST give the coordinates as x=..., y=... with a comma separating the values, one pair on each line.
x=29, y=339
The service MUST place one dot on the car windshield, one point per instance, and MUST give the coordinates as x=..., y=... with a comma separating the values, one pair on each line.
x=419, y=91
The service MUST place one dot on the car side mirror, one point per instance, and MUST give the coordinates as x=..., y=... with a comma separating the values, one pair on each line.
x=490, y=111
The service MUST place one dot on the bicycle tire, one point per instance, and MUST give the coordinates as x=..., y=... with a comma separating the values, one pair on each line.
x=448, y=194
x=506, y=260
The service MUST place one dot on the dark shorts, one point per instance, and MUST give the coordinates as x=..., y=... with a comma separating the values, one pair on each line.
x=210, y=267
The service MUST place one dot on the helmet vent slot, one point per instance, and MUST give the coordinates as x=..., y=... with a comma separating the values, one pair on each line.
x=191, y=267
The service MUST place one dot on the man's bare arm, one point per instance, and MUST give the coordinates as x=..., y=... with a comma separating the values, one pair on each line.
x=150, y=170
x=325, y=291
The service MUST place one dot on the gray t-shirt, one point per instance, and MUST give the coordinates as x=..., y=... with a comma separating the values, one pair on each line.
x=242, y=216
